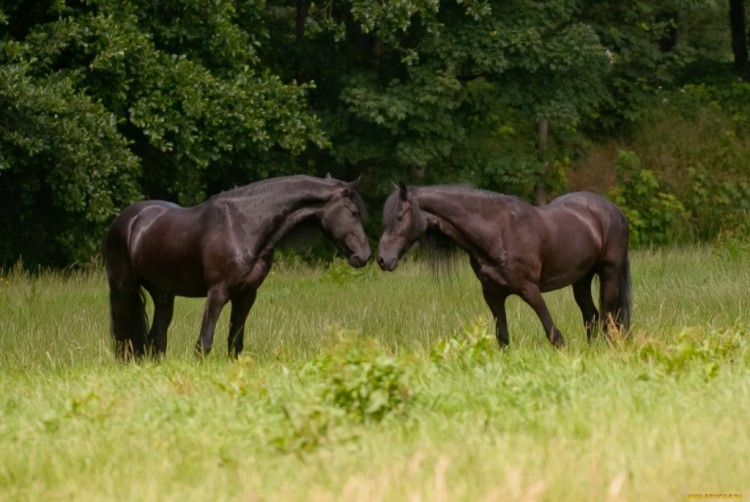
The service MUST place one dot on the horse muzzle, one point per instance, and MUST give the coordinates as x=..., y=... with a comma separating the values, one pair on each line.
x=389, y=265
x=359, y=260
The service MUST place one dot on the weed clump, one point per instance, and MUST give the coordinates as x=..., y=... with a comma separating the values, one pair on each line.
x=360, y=384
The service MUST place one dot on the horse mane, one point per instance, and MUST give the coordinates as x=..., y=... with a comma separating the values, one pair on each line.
x=268, y=186
x=441, y=251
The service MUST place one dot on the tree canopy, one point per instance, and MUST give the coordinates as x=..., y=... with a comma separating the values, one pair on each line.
x=103, y=102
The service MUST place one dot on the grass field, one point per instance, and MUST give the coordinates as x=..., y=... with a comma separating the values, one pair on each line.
x=361, y=385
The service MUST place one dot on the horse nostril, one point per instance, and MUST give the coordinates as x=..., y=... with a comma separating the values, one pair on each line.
x=381, y=261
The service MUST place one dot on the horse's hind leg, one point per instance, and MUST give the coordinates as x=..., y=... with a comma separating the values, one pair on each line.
x=241, y=305
x=582, y=294
x=163, y=311
x=610, y=302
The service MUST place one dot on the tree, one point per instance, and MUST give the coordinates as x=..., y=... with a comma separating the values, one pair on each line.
x=434, y=89
x=739, y=35
x=107, y=101
x=64, y=169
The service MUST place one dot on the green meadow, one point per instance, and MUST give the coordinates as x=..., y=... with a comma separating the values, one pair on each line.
x=362, y=385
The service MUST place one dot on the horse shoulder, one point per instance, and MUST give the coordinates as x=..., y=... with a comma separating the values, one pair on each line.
x=234, y=238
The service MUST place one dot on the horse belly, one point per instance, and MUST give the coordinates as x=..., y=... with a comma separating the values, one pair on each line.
x=172, y=274
x=564, y=278
x=566, y=267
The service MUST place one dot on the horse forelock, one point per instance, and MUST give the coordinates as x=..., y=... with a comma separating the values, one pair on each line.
x=391, y=209
x=359, y=203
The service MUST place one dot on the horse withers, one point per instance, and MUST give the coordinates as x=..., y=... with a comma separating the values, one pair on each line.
x=517, y=248
x=221, y=249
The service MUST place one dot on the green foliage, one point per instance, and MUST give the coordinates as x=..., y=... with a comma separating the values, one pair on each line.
x=420, y=91
x=365, y=382
x=734, y=243
x=655, y=215
x=708, y=350
x=64, y=169
x=641, y=40
x=308, y=428
x=717, y=206
x=476, y=343
x=359, y=383
x=107, y=102
x=697, y=146
x=181, y=100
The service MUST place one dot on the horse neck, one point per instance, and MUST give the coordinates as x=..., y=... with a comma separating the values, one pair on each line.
x=454, y=214
x=292, y=210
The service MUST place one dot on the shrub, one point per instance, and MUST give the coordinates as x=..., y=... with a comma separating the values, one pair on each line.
x=476, y=342
x=655, y=215
x=365, y=381
x=696, y=349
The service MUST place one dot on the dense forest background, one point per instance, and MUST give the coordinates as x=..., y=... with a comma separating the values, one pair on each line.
x=103, y=102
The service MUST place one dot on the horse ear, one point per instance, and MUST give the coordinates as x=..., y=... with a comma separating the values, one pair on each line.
x=351, y=186
x=328, y=176
x=403, y=190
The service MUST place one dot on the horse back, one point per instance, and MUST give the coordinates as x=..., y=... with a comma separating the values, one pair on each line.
x=589, y=217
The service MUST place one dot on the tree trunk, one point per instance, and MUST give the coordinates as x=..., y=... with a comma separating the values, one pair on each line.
x=739, y=35
x=540, y=191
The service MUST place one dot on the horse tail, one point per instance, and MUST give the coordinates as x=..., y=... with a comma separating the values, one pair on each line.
x=624, y=308
x=128, y=321
x=127, y=302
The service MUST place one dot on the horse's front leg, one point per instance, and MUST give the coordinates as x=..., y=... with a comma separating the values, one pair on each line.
x=215, y=300
x=530, y=294
x=495, y=299
x=241, y=305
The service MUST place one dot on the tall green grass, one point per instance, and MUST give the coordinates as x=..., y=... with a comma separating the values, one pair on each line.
x=373, y=386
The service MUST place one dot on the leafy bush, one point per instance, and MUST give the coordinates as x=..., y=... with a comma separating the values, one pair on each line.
x=366, y=382
x=476, y=342
x=655, y=215
x=361, y=384
x=716, y=207
x=697, y=348
x=306, y=428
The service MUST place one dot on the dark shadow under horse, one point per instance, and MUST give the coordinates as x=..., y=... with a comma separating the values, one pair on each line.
x=221, y=249
x=517, y=248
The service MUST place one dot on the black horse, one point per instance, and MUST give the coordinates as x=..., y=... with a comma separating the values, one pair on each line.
x=517, y=248
x=221, y=249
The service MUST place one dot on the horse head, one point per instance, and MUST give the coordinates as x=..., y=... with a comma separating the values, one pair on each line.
x=341, y=220
x=403, y=224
